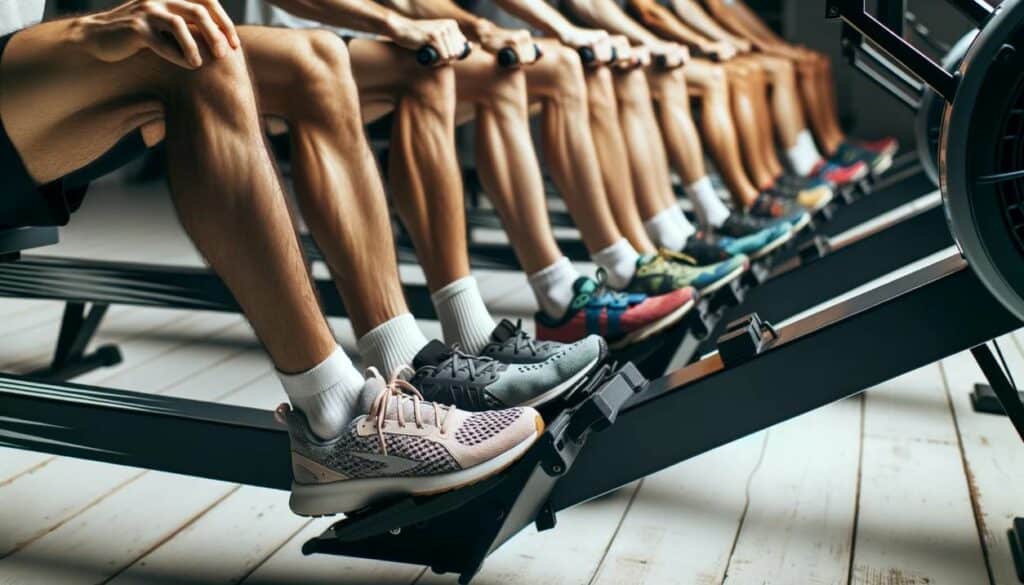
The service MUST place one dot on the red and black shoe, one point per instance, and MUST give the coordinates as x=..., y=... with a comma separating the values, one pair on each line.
x=622, y=319
x=838, y=175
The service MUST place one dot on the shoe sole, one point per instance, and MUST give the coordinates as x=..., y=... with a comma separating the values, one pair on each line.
x=774, y=245
x=654, y=328
x=721, y=282
x=823, y=203
x=566, y=386
x=800, y=225
x=342, y=497
x=884, y=164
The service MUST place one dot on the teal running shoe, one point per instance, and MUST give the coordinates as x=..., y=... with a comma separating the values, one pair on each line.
x=760, y=244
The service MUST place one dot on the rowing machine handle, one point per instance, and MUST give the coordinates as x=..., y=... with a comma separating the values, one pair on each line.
x=588, y=57
x=508, y=58
x=428, y=56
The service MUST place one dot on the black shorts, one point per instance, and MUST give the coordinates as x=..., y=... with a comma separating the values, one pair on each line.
x=23, y=202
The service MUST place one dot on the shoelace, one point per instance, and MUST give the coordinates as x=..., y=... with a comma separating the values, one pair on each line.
x=665, y=254
x=472, y=365
x=402, y=390
x=521, y=341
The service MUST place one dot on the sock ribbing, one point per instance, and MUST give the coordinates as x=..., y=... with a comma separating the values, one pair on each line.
x=553, y=287
x=392, y=344
x=465, y=320
x=327, y=393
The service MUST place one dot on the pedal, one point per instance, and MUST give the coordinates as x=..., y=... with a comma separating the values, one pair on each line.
x=730, y=295
x=756, y=276
x=744, y=339
x=825, y=214
x=454, y=532
x=866, y=186
x=698, y=321
x=847, y=194
x=814, y=249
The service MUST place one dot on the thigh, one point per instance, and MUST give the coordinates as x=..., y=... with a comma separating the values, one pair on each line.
x=62, y=108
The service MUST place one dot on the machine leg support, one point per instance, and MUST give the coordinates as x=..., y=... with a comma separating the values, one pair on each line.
x=984, y=399
x=77, y=329
x=1016, y=538
x=1001, y=386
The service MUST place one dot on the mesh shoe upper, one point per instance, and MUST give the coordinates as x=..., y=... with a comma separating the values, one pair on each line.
x=751, y=245
x=488, y=381
x=403, y=436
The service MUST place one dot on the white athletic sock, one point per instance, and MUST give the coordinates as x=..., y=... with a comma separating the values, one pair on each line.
x=619, y=263
x=665, y=230
x=392, y=344
x=687, y=228
x=804, y=155
x=710, y=209
x=327, y=394
x=552, y=286
x=465, y=320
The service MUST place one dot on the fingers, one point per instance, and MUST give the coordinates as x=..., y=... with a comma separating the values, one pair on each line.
x=199, y=17
x=163, y=22
x=223, y=21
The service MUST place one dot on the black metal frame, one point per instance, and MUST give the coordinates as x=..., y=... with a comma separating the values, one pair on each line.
x=932, y=313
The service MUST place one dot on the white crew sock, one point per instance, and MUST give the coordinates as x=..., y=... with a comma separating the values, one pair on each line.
x=685, y=227
x=804, y=155
x=552, y=286
x=619, y=263
x=665, y=230
x=710, y=209
x=392, y=344
x=465, y=320
x=328, y=394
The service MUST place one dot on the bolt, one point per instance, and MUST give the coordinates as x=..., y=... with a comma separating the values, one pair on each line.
x=556, y=468
x=395, y=531
x=1006, y=53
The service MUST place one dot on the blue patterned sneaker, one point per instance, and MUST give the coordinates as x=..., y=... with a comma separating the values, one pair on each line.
x=622, y=319
x=706, y=279
x=759, y=244
x=403, y=446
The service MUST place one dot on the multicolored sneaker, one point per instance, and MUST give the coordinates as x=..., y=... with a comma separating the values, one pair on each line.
x=840, y=176
x=812, y=199
x=772, y=208
x=706, y=250
x=759, y=244
x=849, y=154
x=706, y=279
x=887, y=146
x=538, y=374
x=622, y=319
x=741, y=225
x=402, y=446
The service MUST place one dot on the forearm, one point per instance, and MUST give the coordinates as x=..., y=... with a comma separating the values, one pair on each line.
x=360, y=15
x=540, y=15
x=756, y=25
x=605, y=14
x=471, y=24
x=693, y=14
x=663, y=22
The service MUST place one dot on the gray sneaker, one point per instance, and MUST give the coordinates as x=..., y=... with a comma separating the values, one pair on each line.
x=403, y=446
x=514, y=370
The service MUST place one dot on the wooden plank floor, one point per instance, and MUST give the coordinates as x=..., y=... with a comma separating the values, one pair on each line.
x=905, y=485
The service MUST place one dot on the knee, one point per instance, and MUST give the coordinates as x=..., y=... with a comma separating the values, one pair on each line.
x=223, y=80
x=431, y=88
x=320, y=78
x=568, y=71
x=601, y=95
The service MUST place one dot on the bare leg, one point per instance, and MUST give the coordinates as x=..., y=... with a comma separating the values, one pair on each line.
x=63, y=109
x=648, y=159
x=785, y=101
x=611, y=142
x=505, y=156
x=305, y=78
x=814, y=104
x=742, y=88
x=424, y=173
x=759, y=91
x=719, y=130
x=568, y=144
x=827, y=83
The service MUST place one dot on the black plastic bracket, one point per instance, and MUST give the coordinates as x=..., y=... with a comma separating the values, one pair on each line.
x=814, y=249
x=730, y=295
x=77, y=328
x=744, y=339
x=454, y=532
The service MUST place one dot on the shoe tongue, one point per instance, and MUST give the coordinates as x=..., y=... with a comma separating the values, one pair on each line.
x=584, y=285
x=432, y=354
x=372, y=389
x=503, y=332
